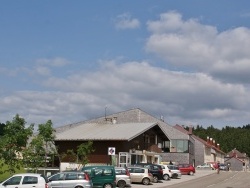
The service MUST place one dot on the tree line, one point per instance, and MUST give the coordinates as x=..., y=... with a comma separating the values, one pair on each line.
x=21, y=147
x=228, y=137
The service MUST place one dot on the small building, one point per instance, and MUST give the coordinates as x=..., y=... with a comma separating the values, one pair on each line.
x=237, y=161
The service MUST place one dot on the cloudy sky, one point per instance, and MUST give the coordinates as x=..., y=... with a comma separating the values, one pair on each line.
x=68, y=61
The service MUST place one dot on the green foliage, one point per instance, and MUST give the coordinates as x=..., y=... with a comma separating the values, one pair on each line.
x=2, y=129
x=83, y=151
x=38, y=151
x=13, y=142
x=7, y=174
x=33, y=155
x=81, y=155
x=228, y=137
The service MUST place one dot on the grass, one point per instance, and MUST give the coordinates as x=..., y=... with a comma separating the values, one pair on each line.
x=6, y=175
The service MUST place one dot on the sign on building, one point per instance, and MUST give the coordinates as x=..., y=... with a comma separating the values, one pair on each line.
x=111, y=151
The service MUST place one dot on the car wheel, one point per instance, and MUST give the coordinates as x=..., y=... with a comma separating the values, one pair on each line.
x=108, y=186
x=155, y=179
x=78, y=187
x=174, y=176
x=166, y=177
x=145, y=181
x=121, y=184
x=191, y=173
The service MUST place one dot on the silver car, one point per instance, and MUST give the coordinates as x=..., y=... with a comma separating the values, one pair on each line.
x=122, y=177
x=140, y=175
x=70, y=180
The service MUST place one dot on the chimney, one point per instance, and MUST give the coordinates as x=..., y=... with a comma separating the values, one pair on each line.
x=214, y=143
x=218, y=146
x=190, y=130
x=207, y=139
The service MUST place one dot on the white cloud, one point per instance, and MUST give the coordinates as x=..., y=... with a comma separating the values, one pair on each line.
x=125, y=21
x=175, y=95
x=201, y=47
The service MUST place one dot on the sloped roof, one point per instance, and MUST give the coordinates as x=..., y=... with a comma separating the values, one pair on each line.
x=128, y=124
x=236, y=153
x=198, y=138
x=125, y=131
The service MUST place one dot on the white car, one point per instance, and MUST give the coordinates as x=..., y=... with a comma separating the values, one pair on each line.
x=167, y=174
x=205, y=165
x=25, y=180
x=176, y=173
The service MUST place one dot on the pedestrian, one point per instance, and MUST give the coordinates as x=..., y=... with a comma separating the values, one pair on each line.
x=170, y=163
x=218, y=167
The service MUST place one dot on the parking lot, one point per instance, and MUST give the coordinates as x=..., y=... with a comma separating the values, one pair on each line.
x=163, y=183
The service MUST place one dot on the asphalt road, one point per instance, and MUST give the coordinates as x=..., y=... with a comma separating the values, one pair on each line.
x=205, y=179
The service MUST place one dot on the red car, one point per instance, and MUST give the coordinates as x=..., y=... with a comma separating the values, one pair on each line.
x=186, y=169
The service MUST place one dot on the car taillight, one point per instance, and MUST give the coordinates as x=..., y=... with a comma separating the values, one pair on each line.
x=161, y=171
x=149, y=174
x=46, y=185
x=87, y=177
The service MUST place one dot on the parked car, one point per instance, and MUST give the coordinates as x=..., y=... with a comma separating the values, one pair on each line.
x=204, y=165
x=140, y=175
x=176, y=173
x=25, y=180
x=186, y=169
x=154, y=169
x=101, y=176
x=122, y=177
x=224, y=167
x=213, y=165
x=167, y=174
x=70, y=180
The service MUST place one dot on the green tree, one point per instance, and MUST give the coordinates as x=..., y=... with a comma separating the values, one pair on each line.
x=41, y=147
x=2, y=129
x=83, y=151
x=46, y=132
x=34, y=154
x=80, y=156
x=13, y=142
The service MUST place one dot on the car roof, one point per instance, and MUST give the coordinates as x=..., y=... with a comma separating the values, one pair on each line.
x=27, y=174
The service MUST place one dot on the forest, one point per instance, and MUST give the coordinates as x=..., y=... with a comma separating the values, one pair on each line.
x=228, y=137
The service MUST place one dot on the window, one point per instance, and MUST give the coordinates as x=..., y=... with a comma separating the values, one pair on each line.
x=81, y=176
x=71, y=177
x=57, y=177
x=14, y=180
x=30, y=180
x=180, y=146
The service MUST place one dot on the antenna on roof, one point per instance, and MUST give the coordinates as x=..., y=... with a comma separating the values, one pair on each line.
x=106, y=111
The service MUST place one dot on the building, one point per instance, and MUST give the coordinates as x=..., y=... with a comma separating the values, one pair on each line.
x=126, y=138
x=205, y=151
x=237, y=161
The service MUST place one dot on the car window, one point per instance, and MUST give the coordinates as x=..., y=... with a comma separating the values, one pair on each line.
x=107, y=172
x=139, y=170
x=120, y=171
x=71, y=176
x=57, y=177
x=14, y=181
x=30, y=180
x=81, y=176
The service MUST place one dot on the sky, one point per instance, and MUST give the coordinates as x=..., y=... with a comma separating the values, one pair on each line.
x=69, y=61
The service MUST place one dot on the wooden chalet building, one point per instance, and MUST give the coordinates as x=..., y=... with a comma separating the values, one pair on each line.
x=126, y=138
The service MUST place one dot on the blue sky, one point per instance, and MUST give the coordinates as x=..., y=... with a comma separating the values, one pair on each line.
x=68, y=61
